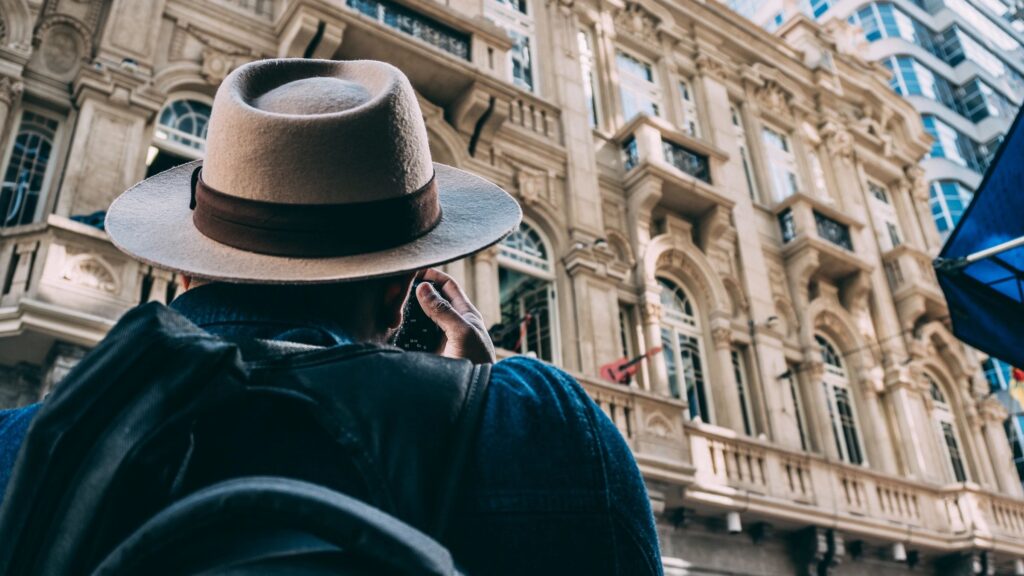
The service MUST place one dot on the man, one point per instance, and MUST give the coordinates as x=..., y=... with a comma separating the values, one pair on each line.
x=316, y=208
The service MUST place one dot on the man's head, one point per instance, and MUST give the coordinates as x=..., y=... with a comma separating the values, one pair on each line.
x=366, y=310
x=316, y=172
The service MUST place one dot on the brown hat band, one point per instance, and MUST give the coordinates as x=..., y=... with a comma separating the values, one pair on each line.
x=313, y=230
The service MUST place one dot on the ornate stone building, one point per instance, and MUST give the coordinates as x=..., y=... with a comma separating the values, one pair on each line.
x=750, y=203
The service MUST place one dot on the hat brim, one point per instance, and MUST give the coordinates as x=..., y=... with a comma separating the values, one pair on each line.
x=152, y=222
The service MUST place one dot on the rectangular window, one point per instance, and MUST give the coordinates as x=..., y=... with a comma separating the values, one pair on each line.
x=741, y=137
x=948, y=201
x=953, y=449
x=739, y=369
x=690, y=122
x=515, y=18
x=781, y=164
x=587, y=70
x=950, y=144
x=894, y=234
x=29, y=169
x=847, y=424
x=414, y=24
x=637, y=86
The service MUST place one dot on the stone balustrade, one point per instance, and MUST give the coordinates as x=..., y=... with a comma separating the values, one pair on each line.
x=725, y=471
x=914, y=285
x=66, y=279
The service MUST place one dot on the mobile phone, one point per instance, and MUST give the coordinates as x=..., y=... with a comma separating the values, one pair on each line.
x=418, y=332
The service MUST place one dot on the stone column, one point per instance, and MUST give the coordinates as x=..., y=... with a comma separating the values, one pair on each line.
x=975, y=448
x=780, y=425
x=920, y=195
x=911, y=435
x=650, y=311
x=993, y=414
x=485, y=285
x=727, y=409
x=874, y=429
x=820, y=434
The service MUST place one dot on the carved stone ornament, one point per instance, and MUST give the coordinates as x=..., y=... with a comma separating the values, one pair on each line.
x=90, y=272
x=774, y=100
x=636, y=20
x=722, y=337
x=838, y=140
x=10, y=89
x=651, y=311
x=531, y=184
x=711, y=66
x=61, y=49
x=217, y=65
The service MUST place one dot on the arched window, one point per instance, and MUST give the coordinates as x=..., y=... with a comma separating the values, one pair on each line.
x=180, y=135
x=29, y=168
x=682, y=349
x=526, y=283
x=841, y=412
x=943, y=416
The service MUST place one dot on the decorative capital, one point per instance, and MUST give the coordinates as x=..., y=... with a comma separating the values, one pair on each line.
x=10, y=89
x=838, y=140
x=774, y=100
x=722, y=337
x=711, y=66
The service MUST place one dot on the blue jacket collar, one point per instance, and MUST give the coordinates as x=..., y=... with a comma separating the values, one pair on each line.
x=250, y=311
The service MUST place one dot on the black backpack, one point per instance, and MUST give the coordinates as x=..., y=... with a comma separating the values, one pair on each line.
x=169, y=450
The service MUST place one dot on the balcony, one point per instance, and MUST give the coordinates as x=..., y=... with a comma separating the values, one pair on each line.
x=65, y=281
x=456, y=62
x=820, y=237
x=684, y=166
x=914, y=285
x=722, y=472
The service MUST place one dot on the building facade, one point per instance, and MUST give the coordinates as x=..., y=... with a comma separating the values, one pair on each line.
x=961, y=64
x=743, y=210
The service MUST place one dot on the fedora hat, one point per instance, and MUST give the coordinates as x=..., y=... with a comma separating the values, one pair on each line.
x=315, y=171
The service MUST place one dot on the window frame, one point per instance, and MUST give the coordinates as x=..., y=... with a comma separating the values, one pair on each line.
x=520, y=23
x=943, y=417
x=780, y=158
x=689, y=123
x=648, y=90
x=170, y=146
x=46, y=197
x=688, y=326
x=836, y=377
x=547, y=275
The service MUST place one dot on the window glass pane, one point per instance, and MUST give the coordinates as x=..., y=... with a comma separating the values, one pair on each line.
x=740, y=374
x=587, y=69
x=27, y=169
x=637, y=86
x=184, y=122
x=526, y=314
x=953, y=449
x=849, y=426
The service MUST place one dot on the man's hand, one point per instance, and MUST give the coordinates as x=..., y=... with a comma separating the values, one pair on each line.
x=444, y=302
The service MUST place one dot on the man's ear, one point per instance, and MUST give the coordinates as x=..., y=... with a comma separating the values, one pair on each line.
x=395, y=294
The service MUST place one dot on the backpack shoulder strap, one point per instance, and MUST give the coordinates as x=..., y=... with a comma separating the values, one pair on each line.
x=408, y=420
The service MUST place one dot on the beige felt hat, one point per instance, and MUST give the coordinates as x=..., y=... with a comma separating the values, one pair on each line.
x=315, y=171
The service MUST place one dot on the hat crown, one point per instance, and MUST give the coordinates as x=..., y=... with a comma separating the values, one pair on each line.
x=316, y=132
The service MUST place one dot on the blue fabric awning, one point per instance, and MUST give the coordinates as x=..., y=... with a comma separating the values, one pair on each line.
x=986, y=296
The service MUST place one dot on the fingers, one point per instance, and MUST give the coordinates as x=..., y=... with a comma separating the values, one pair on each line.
x=450, y=289
x=441, y=311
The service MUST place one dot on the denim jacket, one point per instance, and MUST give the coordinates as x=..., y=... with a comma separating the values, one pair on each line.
x=551, y=487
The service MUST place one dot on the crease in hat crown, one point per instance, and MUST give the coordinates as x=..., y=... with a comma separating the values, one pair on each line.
x=316, y=132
